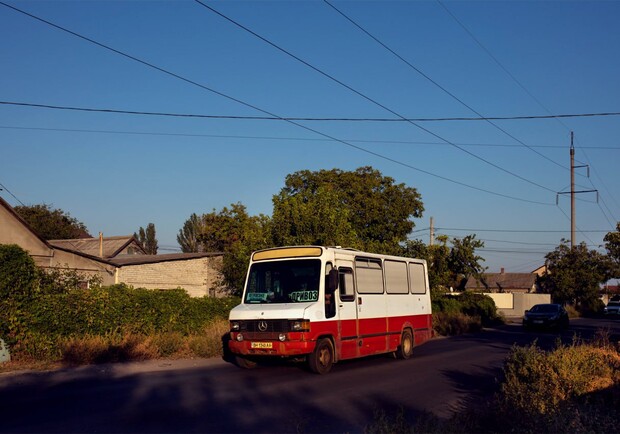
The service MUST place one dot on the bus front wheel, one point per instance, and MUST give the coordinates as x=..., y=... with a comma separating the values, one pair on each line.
x=321, y=359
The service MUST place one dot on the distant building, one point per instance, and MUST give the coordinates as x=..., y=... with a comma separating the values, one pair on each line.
x=504, y=282
x=119, y=259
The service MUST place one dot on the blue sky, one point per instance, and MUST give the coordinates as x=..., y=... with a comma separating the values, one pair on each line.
x=117, y=172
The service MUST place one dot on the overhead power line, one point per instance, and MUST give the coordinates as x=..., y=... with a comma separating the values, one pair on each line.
x=290, y=118
x=524, y=231
x=530, y=94
x=223, y=95
x=373, y=101
x=2, y=187
x=303, y=139
x=439, y=86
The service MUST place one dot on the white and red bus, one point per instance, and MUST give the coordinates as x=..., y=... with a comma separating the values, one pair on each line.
x=327, y=304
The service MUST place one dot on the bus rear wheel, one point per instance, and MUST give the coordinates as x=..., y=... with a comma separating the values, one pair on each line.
x=405, y=349
x=321, y=359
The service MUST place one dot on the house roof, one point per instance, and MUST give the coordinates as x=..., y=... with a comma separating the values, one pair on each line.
x=11, y=211
x=122, y=260
x=503, y=281
x=112, y=246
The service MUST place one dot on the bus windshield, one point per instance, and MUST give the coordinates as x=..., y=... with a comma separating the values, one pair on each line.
x=294, y=281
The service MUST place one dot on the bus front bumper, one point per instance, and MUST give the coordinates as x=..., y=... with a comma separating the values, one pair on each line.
x=258, y=347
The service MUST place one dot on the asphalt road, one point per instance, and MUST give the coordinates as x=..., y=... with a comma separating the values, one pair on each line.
x=215, y=396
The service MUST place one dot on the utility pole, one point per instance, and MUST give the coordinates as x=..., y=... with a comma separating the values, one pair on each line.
x=572, y=192
x=432, y=236
x=573, y=220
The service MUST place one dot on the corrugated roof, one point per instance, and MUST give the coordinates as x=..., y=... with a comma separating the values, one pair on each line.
x=503, y=281
x=151, y=259
x=90, y=246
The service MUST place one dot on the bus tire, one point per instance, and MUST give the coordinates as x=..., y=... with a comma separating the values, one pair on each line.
x=244, y=363
x=321, y=359
x=405, y=349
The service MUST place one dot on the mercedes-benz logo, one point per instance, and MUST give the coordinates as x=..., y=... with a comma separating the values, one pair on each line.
x=262, y=325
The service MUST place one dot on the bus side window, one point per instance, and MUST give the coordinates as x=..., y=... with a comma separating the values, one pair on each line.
x=346, y=286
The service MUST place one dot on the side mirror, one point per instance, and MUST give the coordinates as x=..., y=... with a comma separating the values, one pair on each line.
x=332, y=281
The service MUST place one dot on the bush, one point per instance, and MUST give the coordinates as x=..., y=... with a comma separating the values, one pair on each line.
x=450, y=323
x=467, y=312
x=446, y=304
x=18, y=272
x=573, y=388
x=480, y=305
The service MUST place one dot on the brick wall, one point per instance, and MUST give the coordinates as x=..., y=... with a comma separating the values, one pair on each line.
x=199, y=277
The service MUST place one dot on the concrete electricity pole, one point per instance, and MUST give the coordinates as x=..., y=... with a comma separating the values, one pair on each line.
x=573, y=220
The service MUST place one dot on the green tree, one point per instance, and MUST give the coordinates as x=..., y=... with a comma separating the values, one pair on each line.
x=463, y=261
x=612, y=244
x=188, y=235
x=148, y=240
x=320, y=219
x=448, y=266
x=52, y=224
x=574, y=275
x=360, y=208
x=231, y=231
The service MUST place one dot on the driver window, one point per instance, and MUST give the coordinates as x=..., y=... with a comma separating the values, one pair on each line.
x=346, y=286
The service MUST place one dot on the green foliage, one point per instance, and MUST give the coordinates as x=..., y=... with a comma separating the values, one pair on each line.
x=463, y=261
x=320, y=219
x=18, y=273
x=479, y=305
x=58, y=281
x=573, y=388
x=108, y=311
x=575, y=274
x=464, y=313
x=612, y=244
x=147, y=238
x=360, y=207
x=455, y=323
x=52, y=224
x=188, y=235
x=448, y=266
x=231, y=231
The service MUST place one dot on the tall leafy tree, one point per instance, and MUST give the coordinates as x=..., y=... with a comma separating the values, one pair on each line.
x=448, y=266
x=361, y=208
x=147, y=238
x=52, y=224
x=574, y=274
x=231, y=231
x=463, y=261
x=189, y=233
x=612, y=244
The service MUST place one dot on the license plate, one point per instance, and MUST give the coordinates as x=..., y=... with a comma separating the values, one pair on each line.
x=262, y=345
x=538, y=321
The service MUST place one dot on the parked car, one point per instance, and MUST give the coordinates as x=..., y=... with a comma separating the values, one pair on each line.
x=613, y=307
x=546, y=316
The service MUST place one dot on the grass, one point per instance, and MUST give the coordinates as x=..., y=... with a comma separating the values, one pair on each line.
x=119, y=347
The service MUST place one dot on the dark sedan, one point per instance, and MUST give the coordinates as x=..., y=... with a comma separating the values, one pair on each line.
x=546, y=316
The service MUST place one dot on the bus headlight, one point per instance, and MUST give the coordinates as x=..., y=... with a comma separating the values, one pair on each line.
x=300, y=326
x=235, y=326
x=239, y=337
x=282, y=337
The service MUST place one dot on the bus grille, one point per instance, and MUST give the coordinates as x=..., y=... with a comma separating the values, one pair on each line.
x=273, y=326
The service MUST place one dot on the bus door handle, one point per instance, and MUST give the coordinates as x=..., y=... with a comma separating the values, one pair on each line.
x=359, y=300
